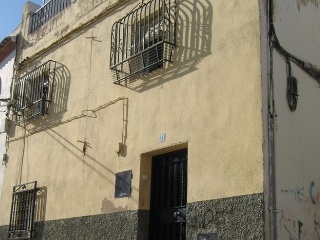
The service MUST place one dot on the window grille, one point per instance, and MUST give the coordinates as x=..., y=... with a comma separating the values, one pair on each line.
x=33, y=93
x=143, y=40
x=22, y=211
x=46, y=12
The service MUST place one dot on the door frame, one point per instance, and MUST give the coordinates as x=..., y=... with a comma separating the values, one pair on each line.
x=168, y=195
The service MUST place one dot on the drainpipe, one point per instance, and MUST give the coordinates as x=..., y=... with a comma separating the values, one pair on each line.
x=271, y=128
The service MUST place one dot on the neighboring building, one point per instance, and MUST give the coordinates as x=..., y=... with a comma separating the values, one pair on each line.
x=296, y=95
x=7, y=57
x=163, y=119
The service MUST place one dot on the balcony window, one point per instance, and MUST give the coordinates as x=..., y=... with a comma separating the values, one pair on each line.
x=22, y=211
x=143, y=40
x=33, y=93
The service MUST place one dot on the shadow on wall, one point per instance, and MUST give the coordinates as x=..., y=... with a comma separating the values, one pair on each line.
x=95, y=165
x=40, y=212
x=194, y=34
x=58, y=106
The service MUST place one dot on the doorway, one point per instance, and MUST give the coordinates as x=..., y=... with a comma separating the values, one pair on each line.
x=168, y=196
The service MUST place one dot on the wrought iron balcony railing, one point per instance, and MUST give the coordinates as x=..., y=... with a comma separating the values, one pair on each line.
x=21, y=224
x=33, y=92
x=46, y=12
x=143, y=40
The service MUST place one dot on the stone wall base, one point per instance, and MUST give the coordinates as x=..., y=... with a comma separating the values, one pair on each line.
x=240, y=217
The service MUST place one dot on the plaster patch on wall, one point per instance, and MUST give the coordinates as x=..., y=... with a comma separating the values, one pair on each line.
x=108, y=207
x=303, y=3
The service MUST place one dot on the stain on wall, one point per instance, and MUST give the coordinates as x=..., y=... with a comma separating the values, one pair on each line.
x=108, y=207
x=303, y=3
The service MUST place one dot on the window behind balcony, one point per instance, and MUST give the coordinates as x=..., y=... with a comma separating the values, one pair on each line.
x=143, y=40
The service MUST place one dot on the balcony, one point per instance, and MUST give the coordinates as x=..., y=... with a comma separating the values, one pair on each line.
x=33, y=93
x=22, y=211
x=46, y=12
x=143, y=40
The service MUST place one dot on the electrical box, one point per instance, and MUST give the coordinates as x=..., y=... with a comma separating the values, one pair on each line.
x=4, y=125
x=4, y=158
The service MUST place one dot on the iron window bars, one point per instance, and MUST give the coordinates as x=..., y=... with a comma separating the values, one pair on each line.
x=46, y=12
x=22, y=211
x=33, y=92
x=143, y=40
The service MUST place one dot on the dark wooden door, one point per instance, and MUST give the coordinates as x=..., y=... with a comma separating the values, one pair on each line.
x=168, y=196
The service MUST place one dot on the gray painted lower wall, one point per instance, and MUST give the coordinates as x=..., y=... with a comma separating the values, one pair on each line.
x=3, y=232
x=240, y=217
x=233, y=218
x=129, y=225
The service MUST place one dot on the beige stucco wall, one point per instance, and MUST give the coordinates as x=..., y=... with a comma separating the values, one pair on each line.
x=297, y=133
x=208, y=100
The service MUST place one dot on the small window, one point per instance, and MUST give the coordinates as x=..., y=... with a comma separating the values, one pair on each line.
x=33, y=93
x=22, y=211
x=143, y=40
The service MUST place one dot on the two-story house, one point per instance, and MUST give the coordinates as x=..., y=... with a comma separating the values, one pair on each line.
x=164, y=119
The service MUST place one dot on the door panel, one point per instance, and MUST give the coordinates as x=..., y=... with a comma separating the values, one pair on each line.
x=168, y=196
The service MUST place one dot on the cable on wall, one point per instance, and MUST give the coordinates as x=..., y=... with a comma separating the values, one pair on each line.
x=22, y=153
x=84, y=114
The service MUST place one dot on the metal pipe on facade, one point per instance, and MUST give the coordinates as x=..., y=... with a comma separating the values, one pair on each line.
x=271, y=127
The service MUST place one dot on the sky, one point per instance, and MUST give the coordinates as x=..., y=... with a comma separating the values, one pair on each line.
x=11, y=15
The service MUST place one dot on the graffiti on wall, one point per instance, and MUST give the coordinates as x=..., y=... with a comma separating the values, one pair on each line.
x=298, y=193
x=292, y=226
x=314, y=191
x=316, y=225
x=308, y=200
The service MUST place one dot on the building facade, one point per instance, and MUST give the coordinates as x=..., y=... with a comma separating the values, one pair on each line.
x=122, y=84
x=7, y=57
x=163, y=119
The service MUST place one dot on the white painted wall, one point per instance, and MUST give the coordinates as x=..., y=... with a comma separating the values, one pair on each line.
x=6, y=72
x=297, y=134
